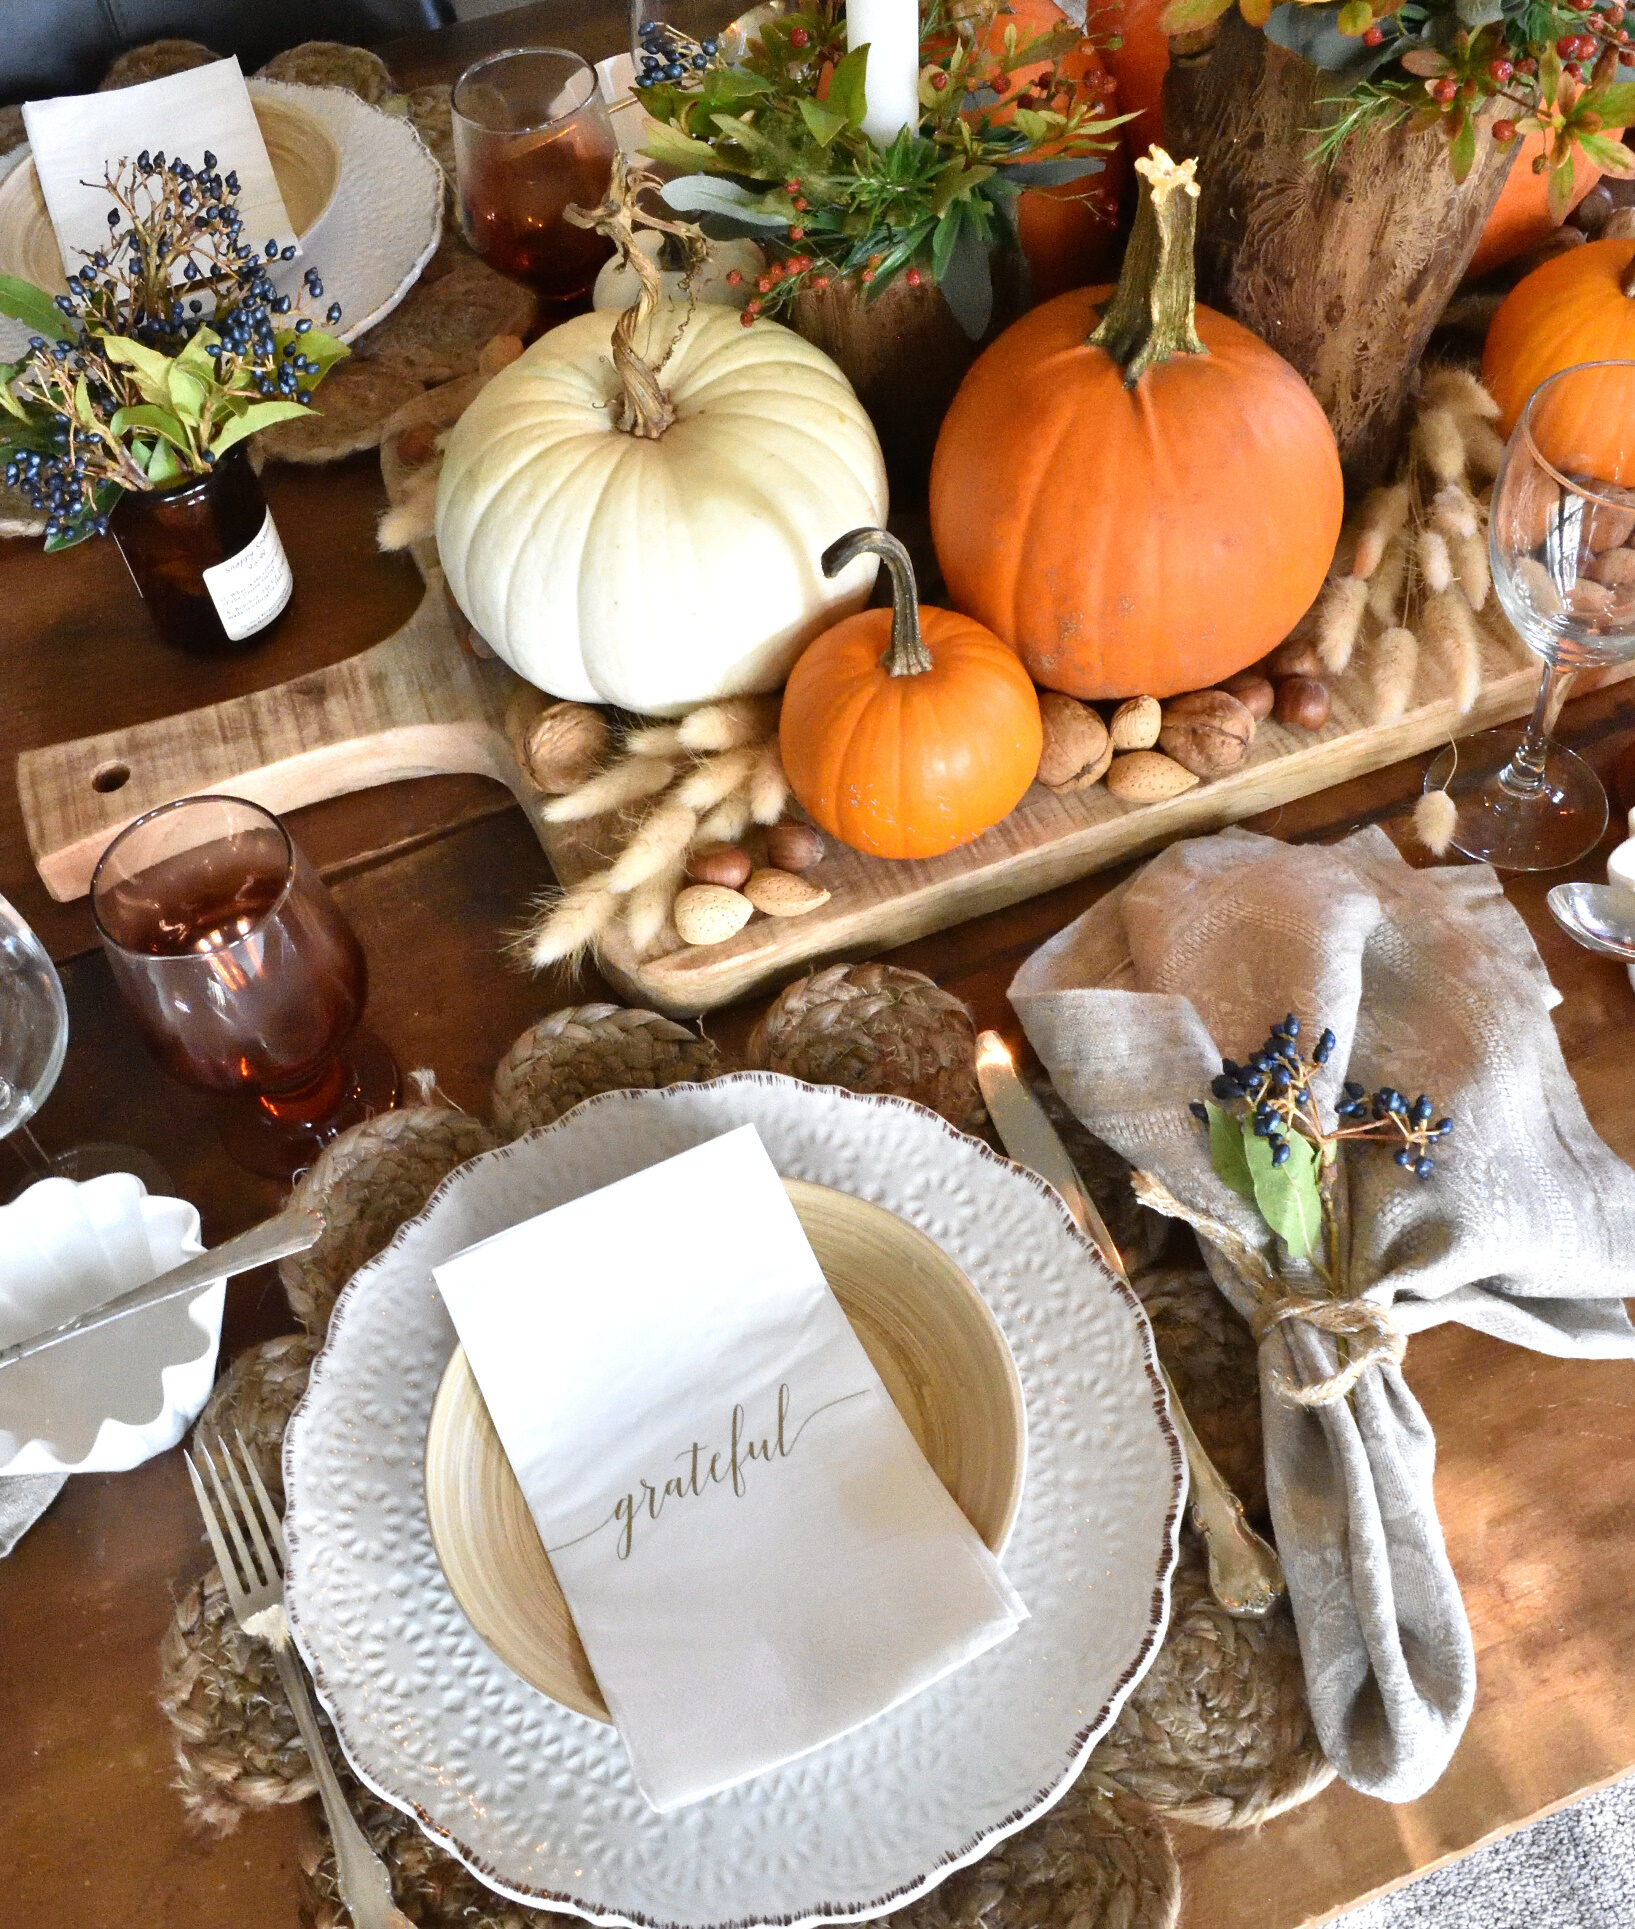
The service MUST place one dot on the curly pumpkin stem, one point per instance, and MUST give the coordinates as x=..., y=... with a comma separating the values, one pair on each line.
x=906, y=654
x=1150, y=317
x=645, y=409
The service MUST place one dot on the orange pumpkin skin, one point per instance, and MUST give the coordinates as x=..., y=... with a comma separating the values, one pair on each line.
x=1133, y=542
x=1573, y=309
x=1139, y=66
x=1521, y=216
x=909, y=766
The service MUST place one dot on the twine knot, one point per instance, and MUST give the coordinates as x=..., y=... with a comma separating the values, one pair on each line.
x=1381, y=1341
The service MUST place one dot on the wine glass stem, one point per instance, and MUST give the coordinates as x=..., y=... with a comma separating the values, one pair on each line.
x=1523, y=776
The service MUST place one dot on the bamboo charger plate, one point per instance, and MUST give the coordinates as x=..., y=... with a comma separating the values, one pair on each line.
x=927, y=1332
x=306, y=163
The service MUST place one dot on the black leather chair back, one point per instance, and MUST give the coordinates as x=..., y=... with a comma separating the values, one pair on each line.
x=65, y=46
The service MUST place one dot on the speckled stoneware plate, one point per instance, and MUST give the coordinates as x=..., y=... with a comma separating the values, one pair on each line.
x=381, y=222
x=539, y=1801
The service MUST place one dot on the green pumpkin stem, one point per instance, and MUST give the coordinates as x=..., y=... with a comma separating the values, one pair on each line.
x=1150, y=317
x=906, y=654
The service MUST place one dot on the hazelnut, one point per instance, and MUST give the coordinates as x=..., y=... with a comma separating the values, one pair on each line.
x=1303, y=702
x=1207, y=732
x=417, y=444
x=1077, y=748
x=1253, y=691
x=793, y=847
x=1293, y=658
x=718, y=864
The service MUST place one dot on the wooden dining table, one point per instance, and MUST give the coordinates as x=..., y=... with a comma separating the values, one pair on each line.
x=1536, y=1469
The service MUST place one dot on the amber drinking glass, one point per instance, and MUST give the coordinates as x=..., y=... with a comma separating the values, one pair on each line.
x=243, y=976
x=207, y=559
x=532, y=138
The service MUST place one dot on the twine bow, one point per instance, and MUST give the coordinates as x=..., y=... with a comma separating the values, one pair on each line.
x=1382, y=1341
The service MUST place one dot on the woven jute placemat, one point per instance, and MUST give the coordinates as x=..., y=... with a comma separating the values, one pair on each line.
x=1217, y=1733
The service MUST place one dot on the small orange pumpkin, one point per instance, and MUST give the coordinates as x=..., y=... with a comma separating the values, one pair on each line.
x=907, y=732
x=1135, y=493
x=1522, y=216
x=1580, y=307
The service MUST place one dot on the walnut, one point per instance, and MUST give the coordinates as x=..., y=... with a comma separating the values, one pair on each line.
x=1207, y=732
x=1077, y=748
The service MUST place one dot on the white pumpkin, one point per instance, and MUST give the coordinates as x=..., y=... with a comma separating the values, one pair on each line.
x=617, y=285
x=659, y=570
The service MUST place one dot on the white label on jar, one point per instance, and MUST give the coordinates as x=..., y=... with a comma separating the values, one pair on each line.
x=249, y=589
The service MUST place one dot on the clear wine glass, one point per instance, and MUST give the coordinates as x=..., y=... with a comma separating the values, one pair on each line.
x=1560, y=527
x=33, y=1043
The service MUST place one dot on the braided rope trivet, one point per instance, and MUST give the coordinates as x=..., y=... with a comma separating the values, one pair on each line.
x=586, y=1049
x=370, y=1181
x=1210, y=1354
x=254, y=1399
x=876, y=1028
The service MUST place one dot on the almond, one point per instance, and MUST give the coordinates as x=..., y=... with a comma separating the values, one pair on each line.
x=1077, y=748
x=726, y=864
x=1615, y=568
x=1207, y=732
x=793, y=847
x=780, y=894
x=1136, y=724
x=1147, y=777
x=710, y=913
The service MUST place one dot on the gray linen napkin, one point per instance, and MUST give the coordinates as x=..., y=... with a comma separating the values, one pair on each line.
x=1527, y=1231
x=23, y=1499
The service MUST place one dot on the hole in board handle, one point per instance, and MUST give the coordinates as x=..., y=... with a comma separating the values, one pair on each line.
x=109, y=777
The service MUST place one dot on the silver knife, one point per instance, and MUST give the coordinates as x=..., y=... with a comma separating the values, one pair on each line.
x=1245, y=1575
x=291, y=1231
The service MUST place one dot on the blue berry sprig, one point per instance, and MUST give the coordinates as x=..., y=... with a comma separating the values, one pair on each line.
x=670, y=56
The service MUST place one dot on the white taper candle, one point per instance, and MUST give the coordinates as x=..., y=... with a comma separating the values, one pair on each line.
x=891, y=31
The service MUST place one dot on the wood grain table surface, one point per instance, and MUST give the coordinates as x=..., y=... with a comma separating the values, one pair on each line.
x=1536, y=1472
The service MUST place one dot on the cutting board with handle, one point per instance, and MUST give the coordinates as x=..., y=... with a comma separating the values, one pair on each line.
x=423, y=704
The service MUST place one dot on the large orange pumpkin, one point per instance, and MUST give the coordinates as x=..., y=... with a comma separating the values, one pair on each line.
x=1580, y=307
x=1521, y=216
x=1139, y=497
x=907, y=732
x=1139, y=65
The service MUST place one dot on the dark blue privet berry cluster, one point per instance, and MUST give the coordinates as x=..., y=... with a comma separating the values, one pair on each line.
x=161, y=354
x=667, y=54
x=1272, y=1095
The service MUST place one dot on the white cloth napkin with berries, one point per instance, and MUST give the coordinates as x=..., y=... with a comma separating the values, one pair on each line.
x=1525, y=1228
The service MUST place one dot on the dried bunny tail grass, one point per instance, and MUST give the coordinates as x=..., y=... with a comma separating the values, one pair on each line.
x=1393, y=664
x=768, y=786
x=1441, y=447
x=725, y=726
x=657, y=845
x=1455, y=511
x=653, y=740
x=412, y=519
x=1385, y=585
x=1540, y=586
x=1384, y=515
x=1484, y=446
x=1470, y=565
x=727, y=822
x=569, y=925
x=647, y=909
x=626, y=783
x=1435, y=563
x=713, y=781
x=1339, y=619
x=1498, y=629
x=1436, y=817
x=1450, y=630
x=1445, y=386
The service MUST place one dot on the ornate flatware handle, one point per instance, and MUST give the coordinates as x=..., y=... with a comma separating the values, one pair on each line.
x=1245, y=1575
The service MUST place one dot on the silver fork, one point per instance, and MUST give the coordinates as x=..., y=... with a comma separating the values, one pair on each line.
x=252, y=1570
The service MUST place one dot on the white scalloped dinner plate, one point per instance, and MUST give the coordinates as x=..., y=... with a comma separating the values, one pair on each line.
x=379, y=229
x=539, y=1802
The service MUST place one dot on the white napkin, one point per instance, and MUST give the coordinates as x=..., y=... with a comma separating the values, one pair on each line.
x=756, y=1554
x=77, y=138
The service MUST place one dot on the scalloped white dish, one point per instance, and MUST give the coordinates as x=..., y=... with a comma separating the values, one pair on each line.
x=112, y=1398
x=540, y=1801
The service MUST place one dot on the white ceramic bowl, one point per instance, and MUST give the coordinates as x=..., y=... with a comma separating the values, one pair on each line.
x=115, y=1397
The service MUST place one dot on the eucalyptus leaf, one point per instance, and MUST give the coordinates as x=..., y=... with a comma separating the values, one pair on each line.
x=708, y=194
x=1226, y=1152
x=1478, y=13
x=822, y=123
x=259, y=415
x=1286, y=1196
x=1052, y=174
x=34, y=308
x=967, y=280
x=1313, y=32
x=848, y=86
x=954, y=184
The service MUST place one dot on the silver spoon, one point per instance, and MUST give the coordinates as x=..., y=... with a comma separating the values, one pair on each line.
x=1600, y=916
x=291, y=1231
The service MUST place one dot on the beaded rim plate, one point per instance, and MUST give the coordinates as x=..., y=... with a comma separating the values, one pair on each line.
x=539, y=1802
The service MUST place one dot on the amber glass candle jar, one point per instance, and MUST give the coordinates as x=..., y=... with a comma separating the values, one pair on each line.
x=207, y=559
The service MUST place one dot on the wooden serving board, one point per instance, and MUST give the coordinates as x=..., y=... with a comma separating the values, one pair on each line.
x=423, y=704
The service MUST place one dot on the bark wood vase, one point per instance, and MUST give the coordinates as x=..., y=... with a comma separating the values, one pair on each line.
x=1344, y=266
